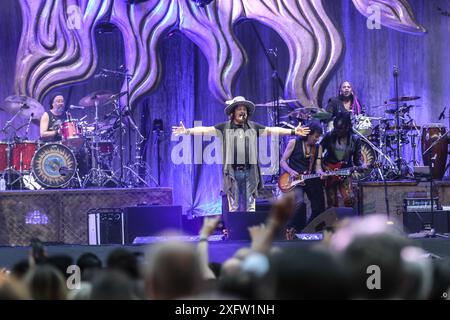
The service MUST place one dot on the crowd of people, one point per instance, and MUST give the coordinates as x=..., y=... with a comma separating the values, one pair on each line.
x=361, y=258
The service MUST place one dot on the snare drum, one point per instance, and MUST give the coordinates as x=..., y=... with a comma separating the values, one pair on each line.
x=22, y=155
x=431, y=134
x=72, y=134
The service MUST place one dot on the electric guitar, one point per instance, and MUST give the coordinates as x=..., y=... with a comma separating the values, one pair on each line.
x=286, y=183
x=338, y=166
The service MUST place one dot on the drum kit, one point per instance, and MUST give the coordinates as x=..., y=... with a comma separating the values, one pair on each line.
x=83, y=158
x=381, y=138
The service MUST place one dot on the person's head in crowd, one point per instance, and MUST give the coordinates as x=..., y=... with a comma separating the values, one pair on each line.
x=247, y=278
x=230, y=267
x=441, y=280
x=61, y=262
x=12, y=289
x=45, y=282
x=307, y=273
x=124, y=261
x=418, y=273
x=81, y=293
x=20, y=269
x=375, y=266
x=172, y=270
x=89, y=264
x=112, y=285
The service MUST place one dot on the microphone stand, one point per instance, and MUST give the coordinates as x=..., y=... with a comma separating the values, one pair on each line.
x=397, y=120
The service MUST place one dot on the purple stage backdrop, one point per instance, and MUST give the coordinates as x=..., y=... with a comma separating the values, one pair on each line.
x=184, y=95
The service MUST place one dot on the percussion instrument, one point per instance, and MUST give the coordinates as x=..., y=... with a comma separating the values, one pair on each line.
x=72, y=134
x=435, y=133
x=363, y=125
x=54, y=165
x=22, y=155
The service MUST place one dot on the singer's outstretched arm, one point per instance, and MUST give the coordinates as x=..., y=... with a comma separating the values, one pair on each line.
x=298, y=131
x=181, y=130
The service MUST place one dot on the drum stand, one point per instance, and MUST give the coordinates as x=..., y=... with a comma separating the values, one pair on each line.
x=97, y=175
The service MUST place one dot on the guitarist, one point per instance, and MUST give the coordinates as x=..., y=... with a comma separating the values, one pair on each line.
x=342, y=149
x=303, y=155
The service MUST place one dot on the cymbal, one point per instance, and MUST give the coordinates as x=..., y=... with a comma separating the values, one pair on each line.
x=297, y=113
x=25, y=106
x=281, y=102
x=322, y=115
x=384, y=105
x=401, y=109
x=405, y=98
x=99, y=97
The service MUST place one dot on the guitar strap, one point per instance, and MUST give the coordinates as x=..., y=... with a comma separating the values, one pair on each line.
x=312, y=159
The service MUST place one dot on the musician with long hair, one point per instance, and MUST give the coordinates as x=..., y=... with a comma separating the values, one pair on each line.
x=303, y=155
x=342, y=149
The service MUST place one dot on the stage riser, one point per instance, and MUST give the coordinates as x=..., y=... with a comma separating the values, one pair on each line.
x=61, y=215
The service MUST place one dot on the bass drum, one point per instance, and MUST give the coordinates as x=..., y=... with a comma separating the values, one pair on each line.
x=54, y=165
x=368, y=158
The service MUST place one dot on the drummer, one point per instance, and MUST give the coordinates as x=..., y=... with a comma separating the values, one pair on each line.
x=346, y=101
x=51, y=121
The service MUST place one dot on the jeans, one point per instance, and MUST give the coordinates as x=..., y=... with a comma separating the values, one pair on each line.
x=314, y=191
x=243, y=193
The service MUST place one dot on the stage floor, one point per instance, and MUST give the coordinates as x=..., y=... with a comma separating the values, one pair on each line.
x=219, y=251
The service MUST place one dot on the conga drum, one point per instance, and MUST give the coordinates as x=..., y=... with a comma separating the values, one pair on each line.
x=437, y=155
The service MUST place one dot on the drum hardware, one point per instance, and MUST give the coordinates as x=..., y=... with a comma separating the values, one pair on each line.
x=101, y=171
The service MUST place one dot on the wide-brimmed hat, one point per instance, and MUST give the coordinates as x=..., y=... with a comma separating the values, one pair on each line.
x=231, y=104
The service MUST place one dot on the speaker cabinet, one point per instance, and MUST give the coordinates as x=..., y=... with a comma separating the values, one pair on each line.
x=237, y=223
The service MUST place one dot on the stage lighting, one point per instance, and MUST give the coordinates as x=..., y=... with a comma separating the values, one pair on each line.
x=202, y=3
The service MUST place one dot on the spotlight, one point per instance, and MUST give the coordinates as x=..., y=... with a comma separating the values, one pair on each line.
x=202, y=3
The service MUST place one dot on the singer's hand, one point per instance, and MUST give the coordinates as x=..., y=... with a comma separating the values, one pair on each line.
x=180, y=130
x=301, y=131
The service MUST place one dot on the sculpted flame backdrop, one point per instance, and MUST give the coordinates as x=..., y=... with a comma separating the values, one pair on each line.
x=186, y=61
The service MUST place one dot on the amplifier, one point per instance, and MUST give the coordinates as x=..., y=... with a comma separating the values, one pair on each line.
x=421, y=204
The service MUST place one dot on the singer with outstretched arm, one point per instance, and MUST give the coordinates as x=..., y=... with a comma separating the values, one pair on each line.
x=241, y=171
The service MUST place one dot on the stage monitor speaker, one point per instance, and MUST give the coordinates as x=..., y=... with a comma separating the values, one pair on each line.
x=417, y=221
x=123, y=225
x=150, y=221
x=328, y=218
x=237, y=223
x=105, y=226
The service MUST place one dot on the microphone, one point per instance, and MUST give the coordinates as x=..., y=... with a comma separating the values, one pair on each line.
x=24, y=106
x=242, y=116
x=442, y=115
x=75, y=107
x=395, y=71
